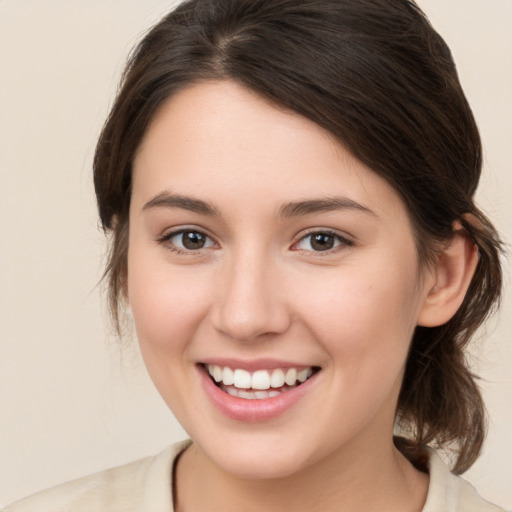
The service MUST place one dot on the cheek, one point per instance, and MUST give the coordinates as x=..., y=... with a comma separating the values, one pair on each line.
x=167, y=305
x=365, y=315
x=365, y=326
x=168, y=310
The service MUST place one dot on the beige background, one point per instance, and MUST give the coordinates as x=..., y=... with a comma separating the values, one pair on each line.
x=70, y=401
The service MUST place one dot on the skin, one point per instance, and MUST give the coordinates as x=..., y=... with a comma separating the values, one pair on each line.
x=259, y=290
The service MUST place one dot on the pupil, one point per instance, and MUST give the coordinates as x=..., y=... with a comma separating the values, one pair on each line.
x=192, y=240
x=322, y=242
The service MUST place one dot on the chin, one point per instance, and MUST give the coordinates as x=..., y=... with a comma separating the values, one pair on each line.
x=257, y=458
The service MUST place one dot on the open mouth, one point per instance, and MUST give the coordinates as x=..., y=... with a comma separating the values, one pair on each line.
x=260, y=384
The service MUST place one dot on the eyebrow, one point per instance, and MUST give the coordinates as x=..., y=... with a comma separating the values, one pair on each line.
x=298, y=208
x=167, y=200
x=291, y=209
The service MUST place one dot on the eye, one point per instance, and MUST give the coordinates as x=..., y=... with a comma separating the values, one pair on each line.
x=186, y=240
x=321, y=241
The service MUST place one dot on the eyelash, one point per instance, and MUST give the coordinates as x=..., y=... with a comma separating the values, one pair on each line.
x=342, y=242
x=165, y=240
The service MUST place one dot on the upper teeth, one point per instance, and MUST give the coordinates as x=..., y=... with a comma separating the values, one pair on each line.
x=260, y=379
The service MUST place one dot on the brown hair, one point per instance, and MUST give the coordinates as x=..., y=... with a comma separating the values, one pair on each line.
x=377, y=76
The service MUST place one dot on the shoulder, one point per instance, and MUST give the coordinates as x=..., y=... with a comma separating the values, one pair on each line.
x=142, y=485
x=450, y=493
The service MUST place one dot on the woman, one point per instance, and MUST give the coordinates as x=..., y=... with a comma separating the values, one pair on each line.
x=289, y=188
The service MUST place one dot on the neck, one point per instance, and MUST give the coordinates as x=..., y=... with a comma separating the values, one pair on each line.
x=346, y=479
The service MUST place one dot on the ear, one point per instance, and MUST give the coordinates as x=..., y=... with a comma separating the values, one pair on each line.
x=450, y=279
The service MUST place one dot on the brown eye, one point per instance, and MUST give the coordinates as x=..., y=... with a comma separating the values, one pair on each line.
x=188, y=240
x=322, y=241
x=192, y=240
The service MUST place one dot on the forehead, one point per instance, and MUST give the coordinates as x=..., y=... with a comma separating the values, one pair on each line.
x=220, y=140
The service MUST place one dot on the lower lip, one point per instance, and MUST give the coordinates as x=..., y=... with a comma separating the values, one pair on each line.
x=242, y=409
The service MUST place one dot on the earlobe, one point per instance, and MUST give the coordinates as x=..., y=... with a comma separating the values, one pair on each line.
x=452, y=276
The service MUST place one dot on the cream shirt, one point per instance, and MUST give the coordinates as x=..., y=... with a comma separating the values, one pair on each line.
x=146, y=486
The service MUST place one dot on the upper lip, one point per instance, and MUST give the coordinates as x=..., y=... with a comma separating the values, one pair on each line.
x=254, y=364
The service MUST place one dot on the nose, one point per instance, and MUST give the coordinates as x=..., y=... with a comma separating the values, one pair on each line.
x=251, y=301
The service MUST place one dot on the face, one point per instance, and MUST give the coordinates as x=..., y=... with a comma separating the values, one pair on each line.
x=262, y=252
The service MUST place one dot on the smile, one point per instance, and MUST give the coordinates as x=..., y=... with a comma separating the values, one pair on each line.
x=260, y=384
